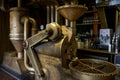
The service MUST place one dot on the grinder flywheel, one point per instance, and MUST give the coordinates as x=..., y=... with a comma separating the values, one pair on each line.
x=93, y=69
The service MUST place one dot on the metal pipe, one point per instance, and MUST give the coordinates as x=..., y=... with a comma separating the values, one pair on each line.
x=26, y=21
x=26, y=62
x=56, y=14
x=73, y=26
x=26, y=35
x=52, y=14
x=34, y=26
x=19, y=3
x=66, y=22
x=48, y=14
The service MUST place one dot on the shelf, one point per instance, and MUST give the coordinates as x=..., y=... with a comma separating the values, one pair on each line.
x=89, y=22
x=86, y=24
x=90, y=11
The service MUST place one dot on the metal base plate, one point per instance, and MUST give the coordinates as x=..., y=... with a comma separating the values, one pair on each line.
x=14, y=66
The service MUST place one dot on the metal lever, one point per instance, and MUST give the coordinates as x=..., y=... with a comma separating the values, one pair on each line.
x=29, y=43
x=53, y=31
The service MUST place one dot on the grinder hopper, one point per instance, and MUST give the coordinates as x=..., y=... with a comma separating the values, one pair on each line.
x=72, y=13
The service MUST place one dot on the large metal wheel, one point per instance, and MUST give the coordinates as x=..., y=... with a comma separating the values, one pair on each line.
x=93, y=69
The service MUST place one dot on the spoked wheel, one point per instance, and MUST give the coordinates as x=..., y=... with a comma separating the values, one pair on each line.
x=93, y=69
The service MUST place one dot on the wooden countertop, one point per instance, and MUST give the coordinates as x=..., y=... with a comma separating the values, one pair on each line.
x=97, y=51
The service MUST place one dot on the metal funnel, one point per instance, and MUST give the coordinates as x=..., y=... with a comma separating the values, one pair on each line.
x=72, y=12
x=17, y=29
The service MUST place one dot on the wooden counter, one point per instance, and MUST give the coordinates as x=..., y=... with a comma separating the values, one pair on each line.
x=97, y=51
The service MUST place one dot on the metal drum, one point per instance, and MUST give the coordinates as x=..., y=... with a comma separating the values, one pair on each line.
x=17, y=28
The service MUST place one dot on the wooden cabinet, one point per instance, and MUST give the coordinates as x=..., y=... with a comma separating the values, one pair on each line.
x=89, y=23
x=87, y=27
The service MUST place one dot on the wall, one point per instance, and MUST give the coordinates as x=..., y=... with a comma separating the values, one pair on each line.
x=5, y=44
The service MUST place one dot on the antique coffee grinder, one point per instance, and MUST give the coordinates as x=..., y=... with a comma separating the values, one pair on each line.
x=51, y=50
x=45, y=53
x=49, y=54
x=38, y=52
